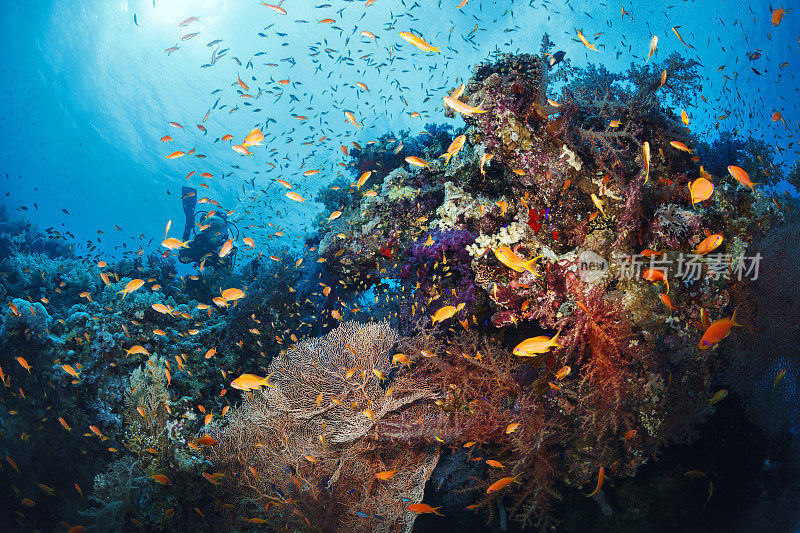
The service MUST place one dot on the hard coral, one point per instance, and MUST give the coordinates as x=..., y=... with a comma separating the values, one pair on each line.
x=30, y=322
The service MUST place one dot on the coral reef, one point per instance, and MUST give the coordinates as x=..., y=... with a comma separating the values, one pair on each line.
x=387, y=342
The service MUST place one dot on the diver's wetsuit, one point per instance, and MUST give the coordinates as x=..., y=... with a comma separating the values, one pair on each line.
x=207, y=243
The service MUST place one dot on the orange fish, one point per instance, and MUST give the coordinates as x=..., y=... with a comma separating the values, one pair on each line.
x=510, y=259
x=173, y=243
x=64, y=424
x=777, y=15
x=254, y=138
x=654, y=275
x=232, y=294
x=718, y=330
x=563, y=372
x=137, y=349
x=419, y=42
x=700, y=190
x=277, y=9
x=680, y=146
x=351, y=119
x=653, y=47
x=24, y=364
x=494, y=464
x=214, y=478
x=420, y=508
x=461, y=107
x=585, y=42
x=386, y=475
x=741, y=176
x=71, y=371
x=248, y=382
x=296, y=197
x=161, y=308
x=14, y=309
x=667, y=301
x=132, y=285
x=206, y=440
x=401, y=358
x=600, y=478
x=718, y=396
x=537, y=345
x=502, y=483
x=226, y=248
x=240, y=149
x=709, y=244
x=363, y=179
x=161, y=478
x=678, y=35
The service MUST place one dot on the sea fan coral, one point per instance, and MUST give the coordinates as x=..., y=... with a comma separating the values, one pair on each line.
x=766, y=345
x=305, y=436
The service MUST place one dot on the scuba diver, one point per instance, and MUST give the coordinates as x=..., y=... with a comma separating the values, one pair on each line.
x=206, y=244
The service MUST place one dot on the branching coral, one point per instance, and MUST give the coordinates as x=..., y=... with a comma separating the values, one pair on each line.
x=597, y=337
x=145, y=414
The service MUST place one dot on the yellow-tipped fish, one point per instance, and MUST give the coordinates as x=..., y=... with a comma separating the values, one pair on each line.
x=419, y=42
x=510, y=259
x=248, y=382
x=537, y=345
x=446, y=312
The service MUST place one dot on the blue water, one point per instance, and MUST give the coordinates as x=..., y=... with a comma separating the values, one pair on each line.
x=89, y=90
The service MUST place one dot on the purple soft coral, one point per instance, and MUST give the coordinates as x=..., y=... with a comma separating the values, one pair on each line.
x=423, y=256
